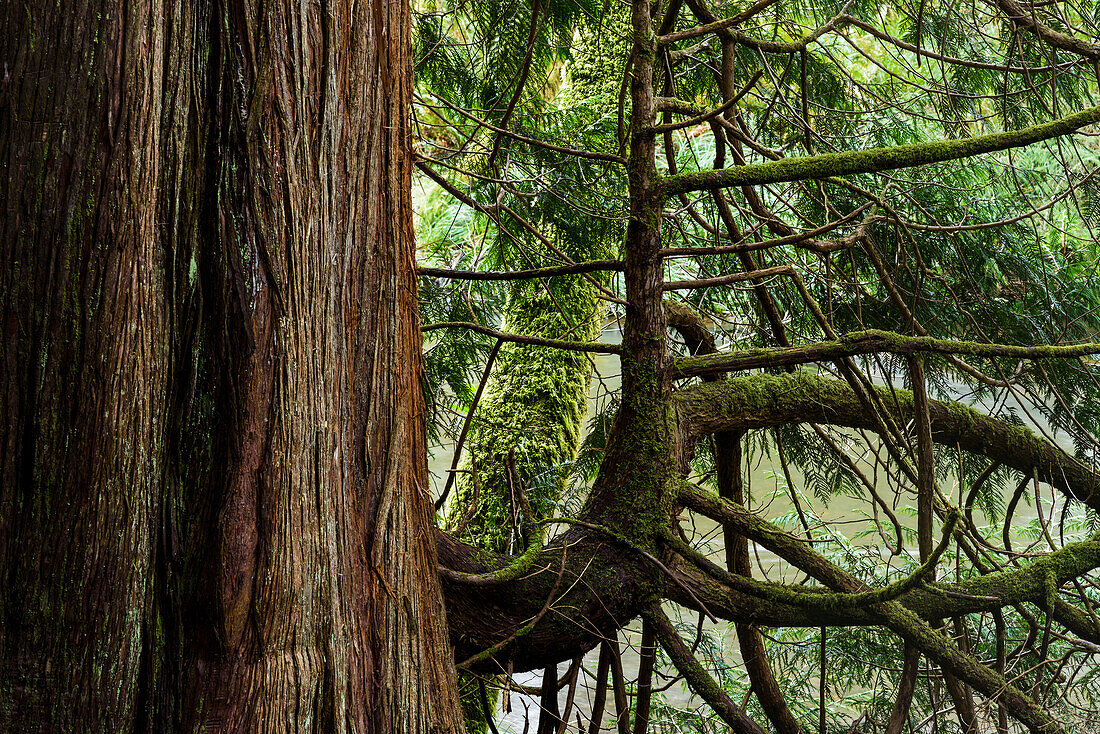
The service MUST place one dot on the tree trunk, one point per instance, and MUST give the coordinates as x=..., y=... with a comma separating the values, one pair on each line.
x=213, y=505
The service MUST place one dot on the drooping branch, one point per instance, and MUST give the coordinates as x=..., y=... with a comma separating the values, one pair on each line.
x=875, y=159
x=591, y=154
x=807, y=239
x=856, y=343
x=761, y=401
x=981, y=594
x=798, y=597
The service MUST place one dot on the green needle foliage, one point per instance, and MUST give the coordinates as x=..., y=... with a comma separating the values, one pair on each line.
x=995, y=248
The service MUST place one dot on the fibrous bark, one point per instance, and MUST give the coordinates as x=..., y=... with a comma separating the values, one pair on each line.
x=93, y=121
x=213, y=472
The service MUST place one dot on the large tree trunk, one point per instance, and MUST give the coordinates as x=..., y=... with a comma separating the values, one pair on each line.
x=85, y=277
x=213, y=508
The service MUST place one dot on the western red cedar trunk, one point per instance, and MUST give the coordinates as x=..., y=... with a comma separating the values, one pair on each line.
x=213, y=510
x=85, y=364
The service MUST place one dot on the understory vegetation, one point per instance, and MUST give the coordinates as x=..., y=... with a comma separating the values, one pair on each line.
x=851, y=243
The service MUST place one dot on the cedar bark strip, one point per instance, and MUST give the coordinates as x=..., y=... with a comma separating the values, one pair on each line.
x=326, y=600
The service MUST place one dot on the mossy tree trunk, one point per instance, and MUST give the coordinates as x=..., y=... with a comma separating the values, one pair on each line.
x=213, y=512
x=529, y=423
x=533, y=408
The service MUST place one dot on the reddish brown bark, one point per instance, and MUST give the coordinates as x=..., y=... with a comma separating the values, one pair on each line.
x=83, y=134
x=212, y=502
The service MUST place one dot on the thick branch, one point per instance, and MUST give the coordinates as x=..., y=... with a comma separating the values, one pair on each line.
x=761, y=401
x=874, y=160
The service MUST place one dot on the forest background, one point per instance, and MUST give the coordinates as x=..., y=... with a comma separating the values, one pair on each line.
x=854, y=239
x=525, y=117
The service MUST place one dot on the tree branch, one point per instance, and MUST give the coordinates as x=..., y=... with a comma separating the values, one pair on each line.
x=1028, y=20
x=524, y=339
x=814, y=600
x=594, y=155
x=591, y=266
x=761, y=401
x=678, y=285
x=875, y=159
x=857, y=343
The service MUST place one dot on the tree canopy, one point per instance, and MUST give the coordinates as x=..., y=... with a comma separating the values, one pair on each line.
x=856, y=238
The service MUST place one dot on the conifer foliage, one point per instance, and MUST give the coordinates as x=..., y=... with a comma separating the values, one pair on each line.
x=856, y=239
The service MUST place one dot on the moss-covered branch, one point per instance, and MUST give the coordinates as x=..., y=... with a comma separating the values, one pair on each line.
x=812, y=600
x=734, y=601
x=1026, y=18
x=875, y=159
x=519, y=566
x=761, y=401
x=902, y=621
x=866, y=342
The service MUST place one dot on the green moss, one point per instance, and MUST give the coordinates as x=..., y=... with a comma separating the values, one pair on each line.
x=533, y=409
x=877, y=159
x=595, y=74
x=470, y=698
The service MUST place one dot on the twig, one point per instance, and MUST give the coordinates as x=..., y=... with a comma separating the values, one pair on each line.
x=466, y=424
x=591, y=266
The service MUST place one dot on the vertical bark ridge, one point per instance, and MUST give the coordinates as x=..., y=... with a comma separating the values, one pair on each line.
x=212, y=462
x=330, y=615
